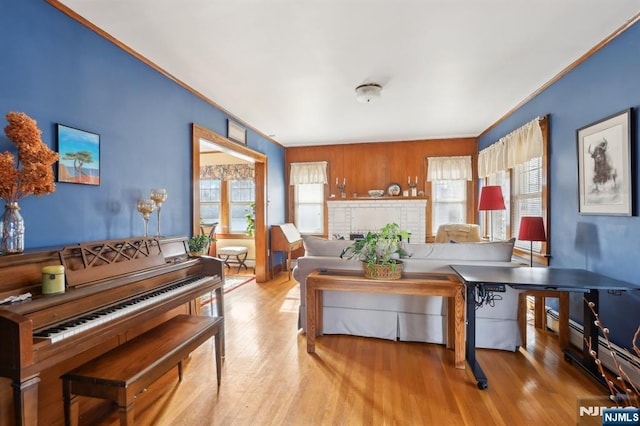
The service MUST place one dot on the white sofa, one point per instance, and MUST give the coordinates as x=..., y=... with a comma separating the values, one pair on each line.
x=407, y=317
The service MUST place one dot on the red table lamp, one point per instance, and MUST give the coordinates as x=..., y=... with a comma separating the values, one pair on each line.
x=531, y=229
x=491, y=199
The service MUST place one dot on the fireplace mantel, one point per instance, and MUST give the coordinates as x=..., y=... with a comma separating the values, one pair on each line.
x=359, y=215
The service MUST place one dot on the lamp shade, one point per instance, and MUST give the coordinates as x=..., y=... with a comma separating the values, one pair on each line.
x=531, y=229
x=491, y=198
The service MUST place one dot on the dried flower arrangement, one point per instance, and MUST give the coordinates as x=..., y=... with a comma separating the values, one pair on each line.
x=33, y=174
x=622, y=390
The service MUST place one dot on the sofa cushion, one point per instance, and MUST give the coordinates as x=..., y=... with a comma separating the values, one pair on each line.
x=316, y=246
x=500, y=251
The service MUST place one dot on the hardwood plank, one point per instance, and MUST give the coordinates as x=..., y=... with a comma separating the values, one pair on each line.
x=268, y=378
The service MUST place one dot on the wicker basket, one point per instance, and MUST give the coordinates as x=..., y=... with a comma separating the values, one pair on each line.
x=383, y=272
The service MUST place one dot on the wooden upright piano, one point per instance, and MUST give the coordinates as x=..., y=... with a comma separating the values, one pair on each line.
x=285, y=238
x=115, y=290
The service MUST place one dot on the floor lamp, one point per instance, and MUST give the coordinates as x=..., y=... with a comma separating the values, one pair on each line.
x=531, y=229
x=491, y=199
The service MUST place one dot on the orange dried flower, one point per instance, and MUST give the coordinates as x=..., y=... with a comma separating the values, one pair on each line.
x=32, y=174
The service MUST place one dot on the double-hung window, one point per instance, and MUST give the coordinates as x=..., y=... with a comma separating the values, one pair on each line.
x=449, y=202
x=241, y=194
x=527, y=197
x=308, y=181
x=309, y=208
x=500, y=219
x=448, y=177
x=210, y=200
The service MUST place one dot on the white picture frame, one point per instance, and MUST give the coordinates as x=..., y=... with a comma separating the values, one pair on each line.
x=604, y=166
x=236, y=132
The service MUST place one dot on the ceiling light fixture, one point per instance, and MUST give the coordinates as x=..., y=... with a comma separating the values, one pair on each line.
x=369, y=92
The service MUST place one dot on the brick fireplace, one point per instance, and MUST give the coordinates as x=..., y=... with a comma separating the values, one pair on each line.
x=353, y=216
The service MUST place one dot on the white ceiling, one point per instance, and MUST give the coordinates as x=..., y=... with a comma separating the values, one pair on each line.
x=288, y=68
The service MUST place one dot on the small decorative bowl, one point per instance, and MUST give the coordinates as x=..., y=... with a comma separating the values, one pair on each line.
x=376, y=192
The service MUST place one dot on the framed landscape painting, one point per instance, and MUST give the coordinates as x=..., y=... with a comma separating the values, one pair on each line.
x=604, y=166
x=79, y=156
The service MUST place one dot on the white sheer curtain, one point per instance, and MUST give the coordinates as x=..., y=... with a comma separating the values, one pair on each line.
x=518, y=147
x=449, y=168
x=312, y=172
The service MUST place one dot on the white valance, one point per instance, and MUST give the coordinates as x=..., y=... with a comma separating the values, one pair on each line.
x=449, y=168
x=519, y=146
x=313, y=172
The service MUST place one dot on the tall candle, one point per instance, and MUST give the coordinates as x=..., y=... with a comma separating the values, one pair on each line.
x=336, y=180
x=344, y=181
x=416, y=180
x=409, y=179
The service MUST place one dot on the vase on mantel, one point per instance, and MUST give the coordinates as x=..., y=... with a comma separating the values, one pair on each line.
x=12, y=230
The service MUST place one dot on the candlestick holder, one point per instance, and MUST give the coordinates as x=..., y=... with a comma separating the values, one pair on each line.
x=159, y=196
x=414, y=187
x=146, y=207
x=341, y=188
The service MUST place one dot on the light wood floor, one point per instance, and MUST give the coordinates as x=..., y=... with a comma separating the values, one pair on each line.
x=269, y=379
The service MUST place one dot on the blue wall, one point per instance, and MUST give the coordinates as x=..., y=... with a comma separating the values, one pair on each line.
x=58, y=71
x=606, y=83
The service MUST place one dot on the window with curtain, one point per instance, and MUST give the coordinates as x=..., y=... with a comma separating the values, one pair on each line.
x=308, y=180
x=226, y=190
x=518, y=163
x=241, y=194
x=448, y=177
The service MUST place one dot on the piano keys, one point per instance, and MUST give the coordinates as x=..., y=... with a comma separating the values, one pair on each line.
x=110, y=313
x=285, y=238
x=115, y=291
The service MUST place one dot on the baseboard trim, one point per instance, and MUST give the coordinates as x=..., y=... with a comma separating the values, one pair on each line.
x=576, y=333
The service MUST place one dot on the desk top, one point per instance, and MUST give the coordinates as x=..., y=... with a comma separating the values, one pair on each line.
x=576, y=280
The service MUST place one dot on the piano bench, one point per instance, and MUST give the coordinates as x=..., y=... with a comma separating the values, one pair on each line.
x=239, y=252
x=122, y=373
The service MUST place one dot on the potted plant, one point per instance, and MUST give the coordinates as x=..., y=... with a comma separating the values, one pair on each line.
x=380, y=252
x=198, y=244
x=251, y=220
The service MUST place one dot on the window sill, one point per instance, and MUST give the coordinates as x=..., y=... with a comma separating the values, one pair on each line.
x=220, y=236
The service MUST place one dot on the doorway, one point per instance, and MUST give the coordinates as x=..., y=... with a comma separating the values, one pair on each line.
x=202, y=136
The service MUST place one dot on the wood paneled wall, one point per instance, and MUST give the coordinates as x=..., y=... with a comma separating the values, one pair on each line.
x=376, y=165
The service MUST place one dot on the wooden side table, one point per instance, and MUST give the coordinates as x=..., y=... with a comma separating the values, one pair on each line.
x=424, y=284
x=540, y=315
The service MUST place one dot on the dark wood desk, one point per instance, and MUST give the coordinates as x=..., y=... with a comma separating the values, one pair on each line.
x=544, y=279
x=425, y=284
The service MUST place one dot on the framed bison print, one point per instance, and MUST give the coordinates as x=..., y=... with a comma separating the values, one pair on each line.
x=604, y=166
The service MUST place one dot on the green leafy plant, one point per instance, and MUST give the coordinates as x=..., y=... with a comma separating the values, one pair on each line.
x=251, y=220
x=199, y=243
x=378, y=248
